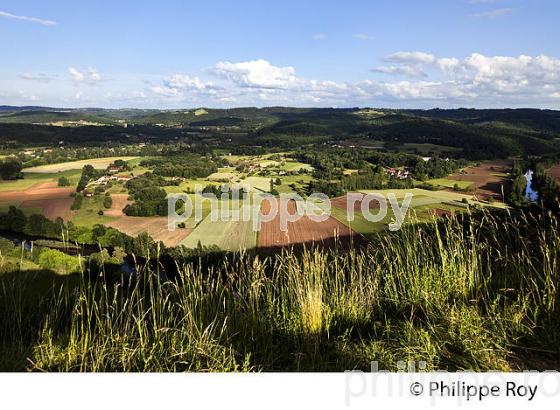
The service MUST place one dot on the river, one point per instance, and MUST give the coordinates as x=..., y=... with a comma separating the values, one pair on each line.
x=530, y=194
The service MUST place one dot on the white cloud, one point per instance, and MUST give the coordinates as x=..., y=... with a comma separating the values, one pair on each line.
x=90, y=75
x=478, y=77
x=414, y=57
x=406, y=70
x=93, y=74
x=445, y=81
x=362, y=36
x=186, y=82
x=39, y=77
x=256, y=73
x=76, y=75
x=319, y=36
x=26, y=18
x=169, y=93
x=493, y=13
x=176, y=87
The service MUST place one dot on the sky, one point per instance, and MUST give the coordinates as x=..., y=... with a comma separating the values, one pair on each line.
x=185, y=54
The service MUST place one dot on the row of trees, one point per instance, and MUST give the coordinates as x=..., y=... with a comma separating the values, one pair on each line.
x=184, y=165
x=547, y=187
x=516, y=195
x=329, y=164
x=37, y=225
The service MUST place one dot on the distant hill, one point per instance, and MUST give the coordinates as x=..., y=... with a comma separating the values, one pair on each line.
x=478, y=133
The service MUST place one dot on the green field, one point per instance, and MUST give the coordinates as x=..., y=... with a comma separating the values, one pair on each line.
x=88, y=215
x=31, y=179
x=223, y=176
x=450, y=183
x=226, y=235
x=98, y=163
x=290, y=166
x=441, y=195
x=360, y=224
x=300, y=181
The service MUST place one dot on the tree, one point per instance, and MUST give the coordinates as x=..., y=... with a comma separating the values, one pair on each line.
x=517, y=194
x=78, y=201
x=88, y=173
x=10, y=168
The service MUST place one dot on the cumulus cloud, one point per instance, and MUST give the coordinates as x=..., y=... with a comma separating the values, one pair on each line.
x=256, y=73
x=413, y=57
x=429, y=79
x=319, y=36
x=479, y=77
x=176, y=87
x=27, y=18
x=90, y=75
x=473, y=80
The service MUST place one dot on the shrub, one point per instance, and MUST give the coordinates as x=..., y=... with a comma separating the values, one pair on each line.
x=64, y=182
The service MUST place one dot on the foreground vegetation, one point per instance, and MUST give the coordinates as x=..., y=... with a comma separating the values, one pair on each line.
x=479, y=293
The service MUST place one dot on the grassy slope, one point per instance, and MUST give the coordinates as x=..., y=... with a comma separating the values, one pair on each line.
x=477, y=298
x=31, y=179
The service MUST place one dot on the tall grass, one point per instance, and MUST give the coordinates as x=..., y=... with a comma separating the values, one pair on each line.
x=478, y=294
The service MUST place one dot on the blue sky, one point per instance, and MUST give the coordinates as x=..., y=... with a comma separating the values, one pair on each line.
x=170, y=54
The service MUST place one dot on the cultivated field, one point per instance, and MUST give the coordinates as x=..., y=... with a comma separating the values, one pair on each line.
x=489, y=178
x=303, y=231
x=99, y=163
x=119, y=202
x=226, y=235
x=156, y=227
x=53, y=201
x=32, y=179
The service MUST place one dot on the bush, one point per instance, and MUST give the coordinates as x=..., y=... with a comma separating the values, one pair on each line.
x=64, y=182
x=107, y=202
x=58, y=261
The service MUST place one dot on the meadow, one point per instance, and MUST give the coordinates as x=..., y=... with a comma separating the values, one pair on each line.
x=98, y=163
x=478, y=293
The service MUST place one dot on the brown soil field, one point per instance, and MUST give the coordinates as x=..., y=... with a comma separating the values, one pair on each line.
x=303, y=231
x=486, y=183
x=342, y=202
x=554, y=172
x=44, y=190
x=156, y=227
x=52, y=208
x=54, y=201
x=119, y=202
